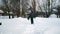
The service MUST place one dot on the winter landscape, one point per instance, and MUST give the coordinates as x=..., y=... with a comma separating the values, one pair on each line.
x=29, y=16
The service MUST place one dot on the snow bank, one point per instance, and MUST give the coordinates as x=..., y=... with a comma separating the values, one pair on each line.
x=53, y=16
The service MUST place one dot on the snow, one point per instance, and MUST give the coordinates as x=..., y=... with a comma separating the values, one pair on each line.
x=4, y=17
x=1, y=11
x=53, y=16
x=23, y=26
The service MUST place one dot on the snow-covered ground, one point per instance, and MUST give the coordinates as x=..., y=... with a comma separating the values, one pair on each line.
x=23, y=26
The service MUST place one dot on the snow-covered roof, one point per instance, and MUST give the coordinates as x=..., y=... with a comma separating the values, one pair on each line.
x=1, y=11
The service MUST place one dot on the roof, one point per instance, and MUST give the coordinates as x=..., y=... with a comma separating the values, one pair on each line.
x=1, y=11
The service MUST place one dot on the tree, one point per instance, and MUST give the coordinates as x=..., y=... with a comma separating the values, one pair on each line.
x=13, y=6
x=34, y=7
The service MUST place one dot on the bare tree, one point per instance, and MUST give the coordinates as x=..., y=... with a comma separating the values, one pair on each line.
x=13, y=6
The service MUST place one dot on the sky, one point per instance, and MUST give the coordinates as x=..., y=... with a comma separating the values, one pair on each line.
x=1, y=3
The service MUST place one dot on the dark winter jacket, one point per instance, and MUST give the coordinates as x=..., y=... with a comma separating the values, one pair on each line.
x=31, y=15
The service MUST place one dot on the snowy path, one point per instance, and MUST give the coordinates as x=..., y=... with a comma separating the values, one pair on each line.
x=23, y=26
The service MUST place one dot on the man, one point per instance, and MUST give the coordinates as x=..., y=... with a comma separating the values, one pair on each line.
x=31, y=15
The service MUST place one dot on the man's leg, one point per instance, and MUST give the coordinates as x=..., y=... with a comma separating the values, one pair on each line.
x=32, y=20
x=0, y=24
x=28, y=17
